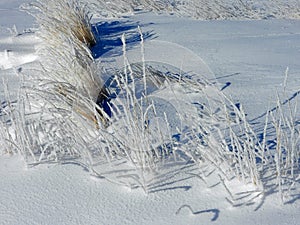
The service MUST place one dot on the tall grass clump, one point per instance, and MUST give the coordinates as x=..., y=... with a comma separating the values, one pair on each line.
x=152, y=120
x=66, y=35
x=58, y=115
x=286, y=151
x=63, y=17
x=222, y=137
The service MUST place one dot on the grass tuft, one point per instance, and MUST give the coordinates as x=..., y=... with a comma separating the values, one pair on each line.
x=156, y=120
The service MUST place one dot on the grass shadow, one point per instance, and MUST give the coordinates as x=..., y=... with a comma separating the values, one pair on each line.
x=108, y=36
x=215, y=212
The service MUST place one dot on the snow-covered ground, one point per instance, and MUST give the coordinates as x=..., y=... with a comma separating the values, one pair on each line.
x=248, y=59
x=252, y=55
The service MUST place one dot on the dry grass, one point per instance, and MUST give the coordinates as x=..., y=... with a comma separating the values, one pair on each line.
x=204, y=10
x=63, y=17
x=57, y=119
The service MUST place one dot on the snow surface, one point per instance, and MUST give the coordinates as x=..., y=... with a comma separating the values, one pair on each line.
x=247, y=58
x=251, y=55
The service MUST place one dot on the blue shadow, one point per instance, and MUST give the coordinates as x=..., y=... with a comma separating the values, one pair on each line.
x=108, y=35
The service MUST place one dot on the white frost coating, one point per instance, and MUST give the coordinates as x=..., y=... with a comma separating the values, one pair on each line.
x=65, y=194
x=204, y=10
x=65, y=31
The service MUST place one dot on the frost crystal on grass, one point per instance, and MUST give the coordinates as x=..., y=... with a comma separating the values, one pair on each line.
x=204, y=10
x=146, y=119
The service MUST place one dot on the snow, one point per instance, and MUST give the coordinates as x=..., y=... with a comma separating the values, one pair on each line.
x=66, y=194
x=247, y=58
x=18, y=51
x=248, y=54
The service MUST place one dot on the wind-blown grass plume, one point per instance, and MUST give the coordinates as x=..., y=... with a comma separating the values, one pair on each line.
x=63, y=17
x=66, y=35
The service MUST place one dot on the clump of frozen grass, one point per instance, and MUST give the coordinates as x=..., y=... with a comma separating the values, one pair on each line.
x=57, y=119
x=273, y=168
x=56, y=105
x=286, y=154
x=222, y=137
x=63, y=17
x=66, y=35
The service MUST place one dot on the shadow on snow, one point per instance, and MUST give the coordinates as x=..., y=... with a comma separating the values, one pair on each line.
x=108, y=35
